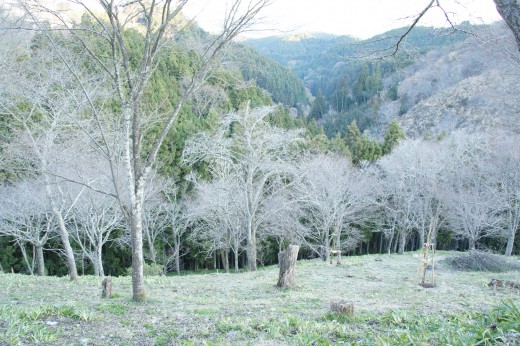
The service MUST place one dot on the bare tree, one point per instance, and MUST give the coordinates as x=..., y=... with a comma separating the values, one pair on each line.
x=128, y=75
x=506, y=173
x=473, y=209
x=95, y=216
x=25, y=216
x=399, y=193
x=256, y=154
x=217, y=214
x=336, y=197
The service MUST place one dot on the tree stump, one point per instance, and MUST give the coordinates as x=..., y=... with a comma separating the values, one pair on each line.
x=106, y=285
x=287, y=264
x=342, y=307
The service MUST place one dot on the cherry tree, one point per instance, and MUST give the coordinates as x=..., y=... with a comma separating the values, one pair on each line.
x=256, y=154
x=25, y=215
x=506, y=173
x=95, y=217
x=217, y=215
x=335, y=197
x=472, y=206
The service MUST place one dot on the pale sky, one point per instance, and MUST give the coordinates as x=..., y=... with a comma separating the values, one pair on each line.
x=358, y=18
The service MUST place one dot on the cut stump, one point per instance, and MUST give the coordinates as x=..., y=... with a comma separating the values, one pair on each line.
x=287, y=261
x=106, y=285
x=342, y=307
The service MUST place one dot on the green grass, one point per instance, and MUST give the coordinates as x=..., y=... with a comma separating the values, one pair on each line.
x=247, y=308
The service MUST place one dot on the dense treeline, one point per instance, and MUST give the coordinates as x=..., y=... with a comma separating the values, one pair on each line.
x=229, y=190
x=346, y=83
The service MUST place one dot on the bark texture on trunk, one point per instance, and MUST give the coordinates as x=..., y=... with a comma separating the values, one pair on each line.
x=138, y=290
x=40, y=260
x=510, y=11
x=224, y=257
x=510, y=242
x=106, y=286
x=251, y=252
x=402, y=242
x=287, y=264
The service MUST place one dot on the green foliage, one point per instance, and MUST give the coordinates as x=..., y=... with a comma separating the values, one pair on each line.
x=392, y=92
x=361, y=147
x=149, y=269
x=392, y=137
x=283, y=86
x=319, y=107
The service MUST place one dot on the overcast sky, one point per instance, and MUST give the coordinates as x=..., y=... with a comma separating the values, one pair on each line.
x=358, y=18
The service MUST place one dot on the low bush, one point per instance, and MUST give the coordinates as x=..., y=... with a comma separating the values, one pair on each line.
x=481, y=261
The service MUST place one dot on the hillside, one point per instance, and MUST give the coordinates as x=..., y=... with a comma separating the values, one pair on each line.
x=470, y=85
x=233, y=309
x=439, y=82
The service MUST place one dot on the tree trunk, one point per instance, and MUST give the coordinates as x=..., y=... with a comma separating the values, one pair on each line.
x=287, y=264
x=510, y=242
x=510, y=11
x=472, y=244
x=326, y=258
x=224, y=257
x=251, y=250
x=99, y=260
x=402, y=242
x=390, y=241
x=24, y=254
x=151, y=248
x=236, y=260
x=338, y=246
x=40, y=261
x=138, y=290
x=176, y=254
x=69, y=253
x=64, y=234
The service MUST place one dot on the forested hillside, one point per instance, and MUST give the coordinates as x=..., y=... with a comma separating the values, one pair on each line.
x=171, y=155
x=439, y=80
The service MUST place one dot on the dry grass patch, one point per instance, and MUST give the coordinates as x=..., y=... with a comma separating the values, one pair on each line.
x=240, y=308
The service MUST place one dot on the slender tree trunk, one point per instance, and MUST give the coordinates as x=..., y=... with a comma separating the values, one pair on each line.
x=338, y=246
x=390, y=241
x=95, y=264
x=151, y=248
x=64, y=234
x=25, y=258
x=176, y=254
x=224, y=256
x=251, y=249
x=138, y=290
x=510, y=242
x=402, y=242
x=39, y=260
x=65, y=241
x=326, y=249
x=99, y=260
x=237, y=255
x=472, y=244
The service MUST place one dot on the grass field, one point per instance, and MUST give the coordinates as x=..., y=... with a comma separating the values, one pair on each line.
x=247, y=308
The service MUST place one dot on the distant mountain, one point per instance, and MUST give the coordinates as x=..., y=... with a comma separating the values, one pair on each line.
x=438, y=82
x=471, y=85
x=323, y=62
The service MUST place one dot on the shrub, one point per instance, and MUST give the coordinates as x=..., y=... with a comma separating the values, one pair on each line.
x=481, y=261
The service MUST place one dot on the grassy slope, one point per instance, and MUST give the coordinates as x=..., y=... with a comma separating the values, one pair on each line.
x=247, y=308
